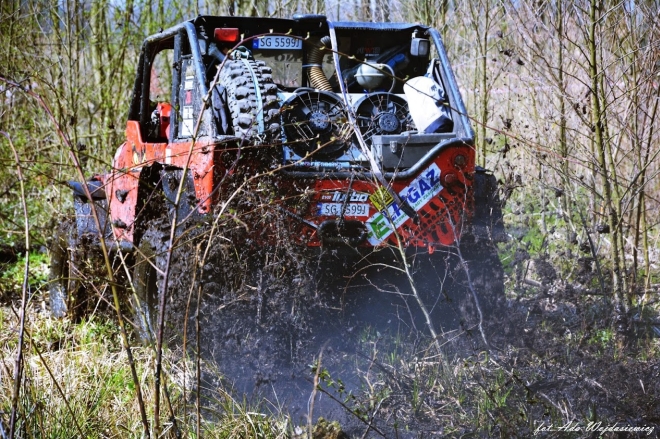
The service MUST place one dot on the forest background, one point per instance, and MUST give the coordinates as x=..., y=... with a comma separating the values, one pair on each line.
x=563, y=96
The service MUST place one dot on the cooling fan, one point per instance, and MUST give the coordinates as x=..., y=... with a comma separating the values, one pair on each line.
x=315, y=122
x=382, y=114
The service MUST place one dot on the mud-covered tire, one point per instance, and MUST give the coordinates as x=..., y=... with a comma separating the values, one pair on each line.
x=458, y=283
x=147, y=282
x=252, y=100
x=485, y=281
x=65, y=283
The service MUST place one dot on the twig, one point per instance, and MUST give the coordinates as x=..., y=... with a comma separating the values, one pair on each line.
x=601, y=281
x=351, y=411
x=371, y=419
x=74, y=416
x=173, y=422
x=2, y=429
x=534, y=283
x=168, y=262
x=418, y=299
x=18, y=366
x=310, y=404
x=474, y=295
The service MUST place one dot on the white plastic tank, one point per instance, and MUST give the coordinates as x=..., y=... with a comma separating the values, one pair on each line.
x=426, y=101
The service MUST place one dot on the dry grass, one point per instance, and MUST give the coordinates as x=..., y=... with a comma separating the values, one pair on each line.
x=77, y=382
x=553, y=361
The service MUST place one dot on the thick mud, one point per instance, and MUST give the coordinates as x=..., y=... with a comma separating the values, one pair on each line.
x=341, y=336
x=308, y=332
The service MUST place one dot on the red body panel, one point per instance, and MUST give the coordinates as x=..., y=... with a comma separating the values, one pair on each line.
x=439, y=193
x=440, y=209
x=134, y=155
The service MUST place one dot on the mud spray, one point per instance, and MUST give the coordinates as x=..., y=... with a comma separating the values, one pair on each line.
x=319, y=335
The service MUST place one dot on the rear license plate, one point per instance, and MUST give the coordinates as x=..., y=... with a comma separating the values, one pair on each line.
x=352, y=209
x=277, y=43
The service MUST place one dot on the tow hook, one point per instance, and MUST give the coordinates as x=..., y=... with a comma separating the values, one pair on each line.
x=332, y=232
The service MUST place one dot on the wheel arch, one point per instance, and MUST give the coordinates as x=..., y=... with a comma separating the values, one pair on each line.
x=157, y=194
x=150, y=200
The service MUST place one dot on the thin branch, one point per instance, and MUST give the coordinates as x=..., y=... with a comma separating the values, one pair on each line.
x=18, y=365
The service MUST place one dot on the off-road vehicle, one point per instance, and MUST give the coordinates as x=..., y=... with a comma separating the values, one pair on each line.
x=300, y=132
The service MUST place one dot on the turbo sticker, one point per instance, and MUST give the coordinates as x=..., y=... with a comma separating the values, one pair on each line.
x=419, y=192
x=353, y=197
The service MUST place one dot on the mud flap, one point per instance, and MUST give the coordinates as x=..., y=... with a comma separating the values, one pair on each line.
x=219, y=108
x=487, y=222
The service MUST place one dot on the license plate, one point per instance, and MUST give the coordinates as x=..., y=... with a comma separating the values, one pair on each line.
x=352, y=209
x=274, y=42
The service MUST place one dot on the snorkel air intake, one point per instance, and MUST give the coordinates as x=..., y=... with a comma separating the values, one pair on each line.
x=317, y=78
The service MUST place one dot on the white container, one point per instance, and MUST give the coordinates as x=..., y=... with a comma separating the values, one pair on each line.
x=426, y=103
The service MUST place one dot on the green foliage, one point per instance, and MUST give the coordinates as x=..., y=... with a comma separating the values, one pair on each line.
x=11, y=279
x=602, y=338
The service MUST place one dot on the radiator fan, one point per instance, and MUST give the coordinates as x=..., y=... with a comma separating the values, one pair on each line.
x=315, y=122
x=382, y=114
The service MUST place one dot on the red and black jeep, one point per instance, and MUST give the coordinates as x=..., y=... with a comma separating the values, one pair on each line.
x=353, y=134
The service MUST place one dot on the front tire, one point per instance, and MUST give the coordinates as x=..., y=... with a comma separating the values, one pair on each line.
x=147, y=282
x=65, y=277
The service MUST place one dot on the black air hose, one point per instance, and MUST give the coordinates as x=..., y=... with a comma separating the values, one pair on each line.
x=216, y=54
x=314, y=65
x=218, y=58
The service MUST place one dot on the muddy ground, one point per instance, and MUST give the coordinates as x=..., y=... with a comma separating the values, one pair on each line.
x=544, y=362
x=297, y=338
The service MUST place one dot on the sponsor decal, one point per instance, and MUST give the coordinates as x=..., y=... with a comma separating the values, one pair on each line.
x=353, y=197
x=340, y=197
x=138, y=156
x=416, y=194
x=381, y=198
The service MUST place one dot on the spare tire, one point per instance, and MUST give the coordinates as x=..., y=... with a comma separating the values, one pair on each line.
x=252, y=100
